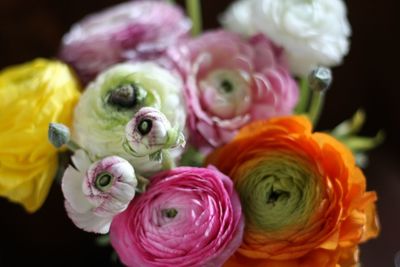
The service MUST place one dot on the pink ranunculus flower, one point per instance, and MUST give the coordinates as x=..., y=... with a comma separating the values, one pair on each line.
x=230, y=82
x=135, y=30
x=187, y=217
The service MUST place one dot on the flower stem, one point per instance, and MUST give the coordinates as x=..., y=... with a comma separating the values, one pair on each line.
x=167, y=162
x=316, y=107
x=304, y=96
x=193, y=8
x=172, y=2
x=142, y=184
x=71, y=145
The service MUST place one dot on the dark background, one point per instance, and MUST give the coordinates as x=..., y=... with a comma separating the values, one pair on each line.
x=368, y=78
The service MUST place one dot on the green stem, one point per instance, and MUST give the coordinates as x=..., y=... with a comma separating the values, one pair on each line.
x=304, y=96
x=167, y=162
x=171, y=1
x=142, y=184
x=193, y=8
x=71, y=145
x=317, y=104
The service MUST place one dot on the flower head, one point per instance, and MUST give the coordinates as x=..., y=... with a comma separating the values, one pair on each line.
x=96, y=192
x=304, y=199
x=312, y=33
x=187, y=217
x=114, y=98
x=135, y=30
x=150, y=131
x=230, y=82
x=32, y=95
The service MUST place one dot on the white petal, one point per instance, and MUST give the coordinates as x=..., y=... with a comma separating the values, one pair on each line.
x=72, y=188
x=88, y=221
x=81, y=160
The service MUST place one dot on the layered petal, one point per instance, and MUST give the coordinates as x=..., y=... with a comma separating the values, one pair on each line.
x=312, y=33
x=135, y=30
x=230, y=82
x=304, y=199
x=187, y=217
x=95, y=195
x=114, y=99
x=32, y=95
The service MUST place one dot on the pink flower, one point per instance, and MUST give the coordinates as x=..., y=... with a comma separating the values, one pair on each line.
x=187, y=217
x=135, y=30
x=230, y=82
x=96, y=192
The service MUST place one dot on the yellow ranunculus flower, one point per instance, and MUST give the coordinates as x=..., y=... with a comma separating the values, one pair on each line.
x=31, y=96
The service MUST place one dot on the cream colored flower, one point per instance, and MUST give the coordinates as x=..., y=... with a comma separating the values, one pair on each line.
x=112, y=100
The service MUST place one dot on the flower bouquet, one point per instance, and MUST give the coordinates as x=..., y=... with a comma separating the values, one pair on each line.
x=189, y=148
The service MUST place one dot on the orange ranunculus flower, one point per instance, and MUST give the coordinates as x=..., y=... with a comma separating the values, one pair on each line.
x=304, y=199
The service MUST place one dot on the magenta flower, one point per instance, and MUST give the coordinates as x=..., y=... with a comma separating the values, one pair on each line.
x=136, y=30
x=187, y=217
x=230, y=82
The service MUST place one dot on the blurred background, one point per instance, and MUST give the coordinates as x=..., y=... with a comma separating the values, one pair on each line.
x=369, y=78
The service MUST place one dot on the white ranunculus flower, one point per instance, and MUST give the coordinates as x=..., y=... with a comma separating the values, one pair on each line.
x=96, y=192
x=238, y=18
x=112, y=100
x=150, y=132
x=312, y=32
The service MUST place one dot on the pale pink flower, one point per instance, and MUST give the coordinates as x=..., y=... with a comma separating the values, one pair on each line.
x=96, y=192
x=135, y=30
x=230, y=82
x=187, y=217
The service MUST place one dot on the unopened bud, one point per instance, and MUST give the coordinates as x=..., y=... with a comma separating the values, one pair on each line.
x=58, y=134
x=320, y=79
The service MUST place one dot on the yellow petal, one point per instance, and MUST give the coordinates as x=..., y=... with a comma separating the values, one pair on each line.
x=31, y=96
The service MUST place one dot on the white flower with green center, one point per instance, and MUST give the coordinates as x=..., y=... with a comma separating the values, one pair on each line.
x=113, y=99
x=150, y=133
x=96, y=192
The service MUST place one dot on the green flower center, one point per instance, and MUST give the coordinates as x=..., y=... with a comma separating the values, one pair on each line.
x=104, y=181
x=226, y=86
x=145, y=126
x=123, y=96
x=281, y=192
x=170, y=213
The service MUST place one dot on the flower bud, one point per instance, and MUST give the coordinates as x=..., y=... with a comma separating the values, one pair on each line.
x=320, y=79
x=94, y=198
x=150, y=132
x=59, y=134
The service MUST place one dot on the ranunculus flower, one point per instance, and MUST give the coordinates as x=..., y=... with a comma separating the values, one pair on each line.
x=32, y=95
x=239, y=18
x=96, y=192
x=230, y=82
x=187, y=217
x=135, y=30
x=111, y=101
x=150, y=132
x=303, y=197
x=311, y=32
